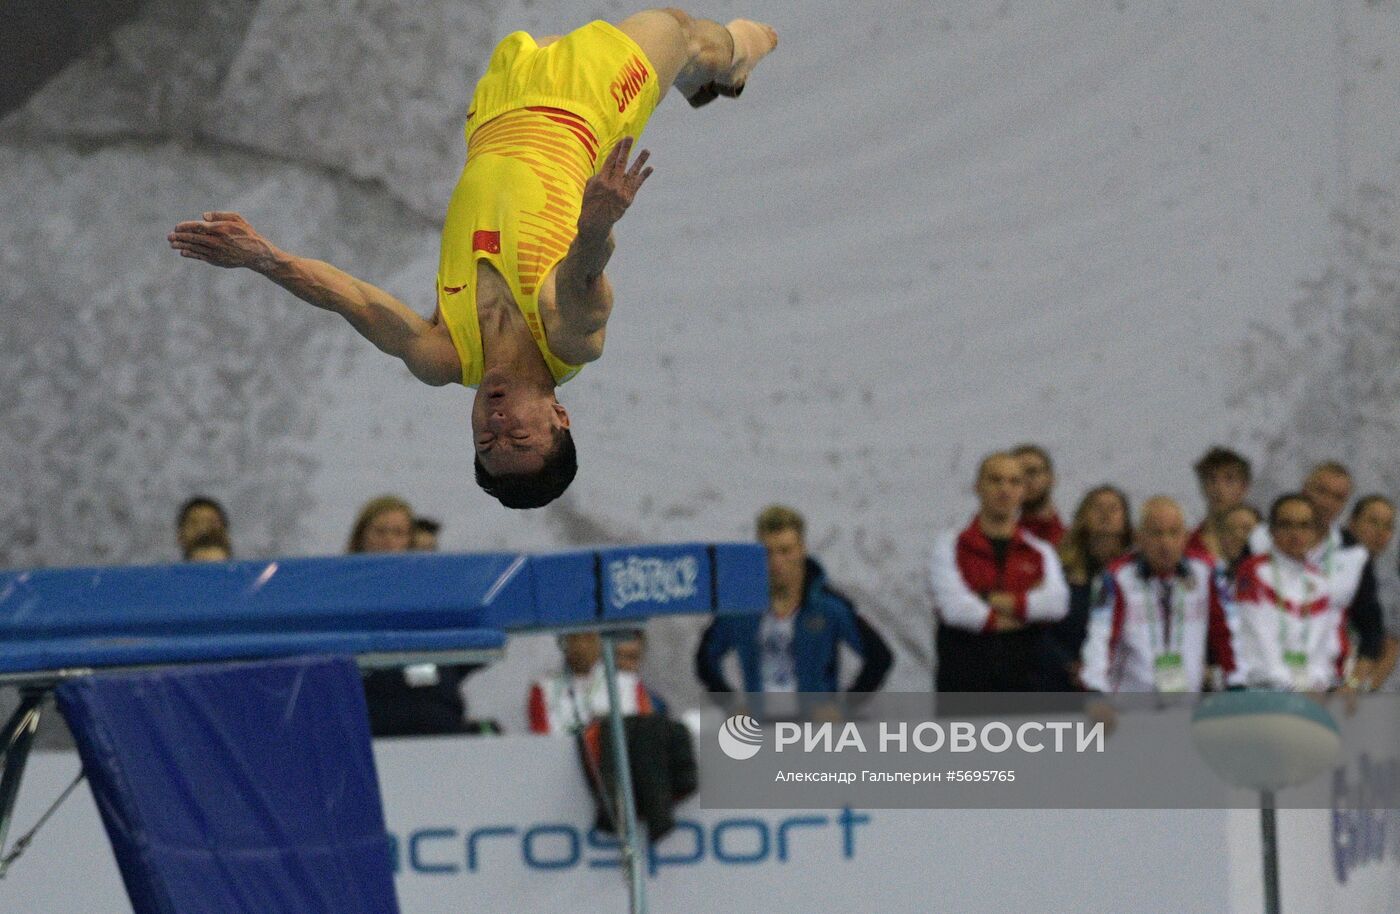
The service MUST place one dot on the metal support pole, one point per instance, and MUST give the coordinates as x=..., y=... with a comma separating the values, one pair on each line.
x=15, y=742
x=633, y=857
x=1268, y=826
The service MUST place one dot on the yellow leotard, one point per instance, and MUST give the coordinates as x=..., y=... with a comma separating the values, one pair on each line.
x=541, y=122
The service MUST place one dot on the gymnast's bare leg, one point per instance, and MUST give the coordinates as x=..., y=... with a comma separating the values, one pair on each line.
x=703, y=60
x=700, y=57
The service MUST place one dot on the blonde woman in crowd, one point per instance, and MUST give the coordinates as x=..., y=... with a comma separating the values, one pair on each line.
x=416, y=700
x=1098, y=534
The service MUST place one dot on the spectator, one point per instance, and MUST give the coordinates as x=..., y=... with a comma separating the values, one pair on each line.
x=198, y=516
x=565, y=702
x=995, y=587
x=629, y=652
x=1099, y=533
x=663, y=769
x=425, y=534
x=794, y=647
x=1233, y=538
x=209, y=546
x=662, y=751
x=1345, y=563
x=1348, y=566
x=1224, y=477
x=384, y=524
x=1038, y=514
x=1240, y=523
x=1158, y=608
x=1289, y=625
x=416, y=700
x=1328, y=487
x=1372, y=525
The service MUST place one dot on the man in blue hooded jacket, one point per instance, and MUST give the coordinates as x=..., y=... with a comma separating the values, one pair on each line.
x=794, y=647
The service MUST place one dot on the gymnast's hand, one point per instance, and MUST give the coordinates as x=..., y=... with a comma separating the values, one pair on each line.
x=223, y=239
x=607, y=194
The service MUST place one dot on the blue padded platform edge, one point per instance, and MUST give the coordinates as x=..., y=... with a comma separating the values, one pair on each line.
x=363, y=593
x=63, y=653
x=324, y=593
x=741, y=579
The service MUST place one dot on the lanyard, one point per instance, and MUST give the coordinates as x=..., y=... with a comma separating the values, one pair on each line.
x=583, y=704
x=1327, y=558
x=1171, y=626
x=1305, y=621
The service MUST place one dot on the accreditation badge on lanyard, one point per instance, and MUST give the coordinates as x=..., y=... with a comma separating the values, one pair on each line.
x=1169, y=673
x=1297, y=662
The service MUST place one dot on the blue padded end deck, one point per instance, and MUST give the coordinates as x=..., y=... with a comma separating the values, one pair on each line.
x=398, y=591
x=643, y=581
x=54, y=619
x=741, y=579
x=634, y=583
x=566, y=589
x=237, y=788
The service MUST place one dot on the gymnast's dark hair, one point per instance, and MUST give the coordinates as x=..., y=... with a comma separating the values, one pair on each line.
x=534, y=490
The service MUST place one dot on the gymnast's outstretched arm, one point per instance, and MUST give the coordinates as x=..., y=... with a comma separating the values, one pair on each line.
x=228, y=240
x=582, y=293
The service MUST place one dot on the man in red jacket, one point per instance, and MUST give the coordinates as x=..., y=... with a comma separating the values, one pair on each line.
x=995, y=585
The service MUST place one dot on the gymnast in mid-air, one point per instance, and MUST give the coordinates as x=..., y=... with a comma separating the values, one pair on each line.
x=522, y=300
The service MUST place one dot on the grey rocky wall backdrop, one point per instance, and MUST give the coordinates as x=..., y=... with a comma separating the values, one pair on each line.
x=929, y=229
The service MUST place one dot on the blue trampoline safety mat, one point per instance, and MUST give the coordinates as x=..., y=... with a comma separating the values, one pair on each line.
x=237, y=788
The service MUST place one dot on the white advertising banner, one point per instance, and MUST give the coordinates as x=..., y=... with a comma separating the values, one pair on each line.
x=505, y=824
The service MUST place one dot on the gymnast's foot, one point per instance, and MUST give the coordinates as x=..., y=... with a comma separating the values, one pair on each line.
x=752, y=42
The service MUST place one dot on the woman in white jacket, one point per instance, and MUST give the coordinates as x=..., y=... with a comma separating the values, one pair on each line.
x=1289, y=620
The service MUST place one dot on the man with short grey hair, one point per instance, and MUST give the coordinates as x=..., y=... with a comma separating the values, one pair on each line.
x=1158, y=612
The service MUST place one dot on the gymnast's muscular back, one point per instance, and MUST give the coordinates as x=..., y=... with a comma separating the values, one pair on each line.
x=511, y=220
x=546, y=119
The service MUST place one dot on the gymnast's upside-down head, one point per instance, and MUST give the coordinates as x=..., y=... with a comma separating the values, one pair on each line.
x=525, y=455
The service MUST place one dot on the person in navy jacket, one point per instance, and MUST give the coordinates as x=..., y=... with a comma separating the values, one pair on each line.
x=794, y=647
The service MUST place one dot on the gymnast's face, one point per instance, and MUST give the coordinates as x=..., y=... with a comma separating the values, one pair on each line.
x=513, y=427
